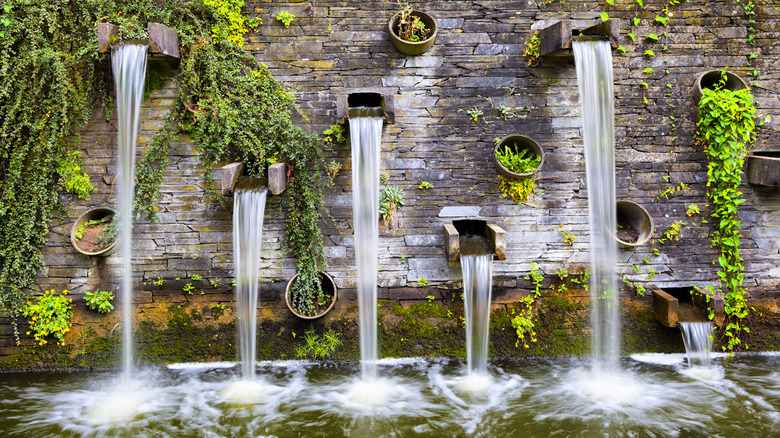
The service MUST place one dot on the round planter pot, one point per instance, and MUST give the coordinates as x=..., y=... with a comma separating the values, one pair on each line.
x=634, y=216
x=408, y=47
x=92, y=214
x=518, y=142
x=328, y=285
x=709, y=79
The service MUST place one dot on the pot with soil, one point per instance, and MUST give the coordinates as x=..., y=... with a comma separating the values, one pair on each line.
x=412, y=32
x=311, y=304
x=94, y=232
x=634, y=224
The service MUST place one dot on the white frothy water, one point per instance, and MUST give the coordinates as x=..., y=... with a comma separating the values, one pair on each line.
x=477, y=290
x=129, y=65
x=248, y=212
x=366, y=136
x=593, y=60
x=697, y=337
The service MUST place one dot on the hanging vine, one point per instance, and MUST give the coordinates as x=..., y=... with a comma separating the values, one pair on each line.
x=50, y=76
x=726, y=125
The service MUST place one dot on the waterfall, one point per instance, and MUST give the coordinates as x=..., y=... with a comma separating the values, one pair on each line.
x=477, y=288
x=129, y=65
x=365, y=125
x=248, y=212
x=593, y=60
x=697, y=337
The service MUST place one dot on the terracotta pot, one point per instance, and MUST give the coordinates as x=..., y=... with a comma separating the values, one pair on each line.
x=518, y=142
x=328, y=284
x=408, y=47
x=709, y=79
x=631, y=214
x=93, y=214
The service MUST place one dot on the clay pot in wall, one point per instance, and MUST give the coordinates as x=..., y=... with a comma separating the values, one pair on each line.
x=518, y=142
x=709, y=79
x=635, y=225
x=328, y=287
x=409, y=47
x=90, y=234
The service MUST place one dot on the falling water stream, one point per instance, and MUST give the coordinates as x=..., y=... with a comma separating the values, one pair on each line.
x=365, y=125
x=129, y=65
x=697, y=337
x=248, y=212
x=477, y=288
x=593, y=60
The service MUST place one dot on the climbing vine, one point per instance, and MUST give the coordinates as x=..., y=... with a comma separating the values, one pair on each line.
x=50, y=76
x=726, y=125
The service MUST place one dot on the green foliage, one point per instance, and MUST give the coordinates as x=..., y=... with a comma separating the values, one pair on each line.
x=188, y=288
x=49, y=314
x=726, y=126
x=533, y=50
x=159, y=282
x=516, y=190
x=518, y=160
x=475, y=113
x=692, y=210
x=390, y=198
x=410, y=27
x=229, y=25
x=335, y=133
x=316, y=346
x=155, y=80
x=568, y=237
x=422, y=282
x=425, y=185
x=99, y=300
x=672, y=233
x=72, y=178
x=536, y=278
x=523, y=322
x=196, y=277
x=286, y=18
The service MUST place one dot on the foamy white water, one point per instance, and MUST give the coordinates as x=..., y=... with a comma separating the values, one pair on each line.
x=477, y=291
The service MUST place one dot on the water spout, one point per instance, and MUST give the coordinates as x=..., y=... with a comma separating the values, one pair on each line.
x=365, y=125
x=248, y=212
x=593, y=60
x=129, y=66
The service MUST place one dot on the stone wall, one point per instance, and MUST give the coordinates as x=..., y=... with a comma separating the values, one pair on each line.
x=338, y=47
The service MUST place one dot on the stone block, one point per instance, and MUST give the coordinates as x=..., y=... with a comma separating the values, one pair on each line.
x=163, y=40
x=451, y=243
x=665, y=308
x=230, y=174
x=555, y=37
x=497, y=235
x=106, y=32
x=277, y=178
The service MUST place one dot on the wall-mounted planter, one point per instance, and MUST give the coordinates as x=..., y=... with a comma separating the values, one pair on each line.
x=635, y=225
x=408, y=47
x=87, y=232
x=763, y=168
x=709, y=79
x=329, y=289
x=516, y=143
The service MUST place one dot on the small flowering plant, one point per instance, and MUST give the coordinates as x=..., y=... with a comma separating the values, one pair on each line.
x=49, y=314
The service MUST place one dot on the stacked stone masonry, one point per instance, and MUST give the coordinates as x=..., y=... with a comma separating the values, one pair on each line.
x=338, y=47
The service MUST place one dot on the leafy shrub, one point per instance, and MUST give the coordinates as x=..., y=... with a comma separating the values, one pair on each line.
x=99, y=300
x=49, y=314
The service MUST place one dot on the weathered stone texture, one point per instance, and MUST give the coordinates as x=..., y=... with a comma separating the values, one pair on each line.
x=476, y=62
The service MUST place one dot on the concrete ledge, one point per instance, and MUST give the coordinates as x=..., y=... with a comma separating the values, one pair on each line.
x=277, y=178
x=498, y=236
x=451, y=243
x=163, y=40
x=230, y=174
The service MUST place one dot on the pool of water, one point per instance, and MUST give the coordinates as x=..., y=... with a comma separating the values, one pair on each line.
x=653, y=395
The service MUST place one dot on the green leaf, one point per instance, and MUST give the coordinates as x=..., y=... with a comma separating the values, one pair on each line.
x=649, y=53
x=632, y=36
x=604, y=16
x=648, y=70
x=652, y=36
x=636, y=21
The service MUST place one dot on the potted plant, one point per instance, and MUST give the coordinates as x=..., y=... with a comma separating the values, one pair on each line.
x=634, y=224
x=716, y=78
x=412, y=32
x=94, y=232
x=311, y=302
x=518, y=157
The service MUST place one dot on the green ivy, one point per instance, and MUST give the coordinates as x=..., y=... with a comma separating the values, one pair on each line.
x=726, y=125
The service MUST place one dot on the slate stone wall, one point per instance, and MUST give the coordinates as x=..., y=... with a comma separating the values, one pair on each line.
x=337, y=47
